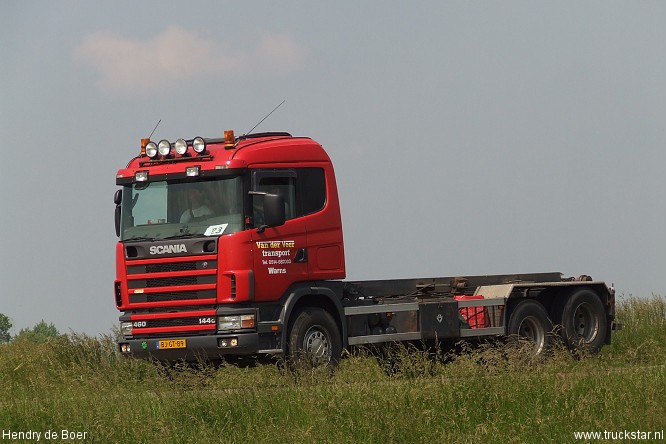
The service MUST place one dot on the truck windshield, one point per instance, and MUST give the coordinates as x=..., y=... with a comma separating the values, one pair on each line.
x=171, y=209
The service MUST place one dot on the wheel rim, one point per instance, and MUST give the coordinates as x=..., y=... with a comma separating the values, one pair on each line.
x=532, y=330
x=317, y=346
x=586, y=324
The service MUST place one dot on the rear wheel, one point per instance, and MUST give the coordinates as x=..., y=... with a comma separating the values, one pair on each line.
x=529, y=321
x=314, y=339
x=583, y=320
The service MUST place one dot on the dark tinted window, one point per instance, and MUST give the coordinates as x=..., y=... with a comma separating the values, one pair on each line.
x=311, y=190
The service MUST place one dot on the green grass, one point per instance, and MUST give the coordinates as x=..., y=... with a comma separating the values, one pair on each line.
x=487, y=394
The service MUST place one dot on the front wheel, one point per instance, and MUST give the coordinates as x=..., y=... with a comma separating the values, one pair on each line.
x=314, y=339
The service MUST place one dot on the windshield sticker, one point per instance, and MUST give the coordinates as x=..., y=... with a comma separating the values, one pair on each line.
x=215, y=230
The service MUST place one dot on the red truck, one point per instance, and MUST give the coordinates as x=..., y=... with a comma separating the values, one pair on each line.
x=233, y=246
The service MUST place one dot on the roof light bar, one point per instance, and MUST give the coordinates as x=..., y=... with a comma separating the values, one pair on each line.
x=164, y=148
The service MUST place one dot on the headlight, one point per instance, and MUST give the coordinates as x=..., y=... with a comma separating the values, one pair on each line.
x=228, y=323
x=199, y=145
x=151, y=149
x=180, y=146
x=164, y=147
x=126, y=328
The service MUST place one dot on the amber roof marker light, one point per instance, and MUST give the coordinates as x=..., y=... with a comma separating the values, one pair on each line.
x=229, y=140
x=144, y=142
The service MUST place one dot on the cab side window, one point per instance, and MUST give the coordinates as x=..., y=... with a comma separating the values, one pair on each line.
x=312, y=190
x=303, y=190
x=285, y=186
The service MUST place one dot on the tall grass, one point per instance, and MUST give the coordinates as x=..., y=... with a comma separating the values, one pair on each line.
x=490, y=393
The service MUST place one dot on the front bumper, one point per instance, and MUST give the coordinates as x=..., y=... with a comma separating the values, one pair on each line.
x=209, y=347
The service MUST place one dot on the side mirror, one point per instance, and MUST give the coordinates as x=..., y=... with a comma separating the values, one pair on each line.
x=118, y=197
x=274, y=214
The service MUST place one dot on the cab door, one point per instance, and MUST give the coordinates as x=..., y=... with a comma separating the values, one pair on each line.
x=279, y=253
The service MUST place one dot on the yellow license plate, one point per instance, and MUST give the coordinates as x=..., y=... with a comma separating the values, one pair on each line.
x=172, y=343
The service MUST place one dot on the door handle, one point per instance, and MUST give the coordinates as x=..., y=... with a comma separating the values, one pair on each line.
x=301, y=256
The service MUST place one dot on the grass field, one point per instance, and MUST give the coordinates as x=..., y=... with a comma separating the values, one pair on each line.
x=488, y=394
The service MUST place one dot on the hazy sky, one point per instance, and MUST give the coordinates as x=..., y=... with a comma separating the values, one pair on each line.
x=467, y=137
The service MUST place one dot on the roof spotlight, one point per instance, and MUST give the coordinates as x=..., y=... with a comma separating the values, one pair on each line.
x=199, y=145
x=164, y=147
x=151, y=149
x=181, y=146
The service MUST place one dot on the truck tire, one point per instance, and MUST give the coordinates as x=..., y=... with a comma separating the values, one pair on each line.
x=313, y=339
x=583, y=321
x=529, y=320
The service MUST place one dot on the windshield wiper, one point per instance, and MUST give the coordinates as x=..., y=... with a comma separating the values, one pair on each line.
x=139, y=238
x=184, y=236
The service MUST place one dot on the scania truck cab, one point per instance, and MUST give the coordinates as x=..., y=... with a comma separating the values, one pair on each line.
x=215, y=234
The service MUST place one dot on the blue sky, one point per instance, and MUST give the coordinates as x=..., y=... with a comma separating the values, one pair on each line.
x=467, y=137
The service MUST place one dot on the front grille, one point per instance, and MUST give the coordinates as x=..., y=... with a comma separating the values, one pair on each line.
x=175, y=309
x=174, y=296
x=169, y=296
x=167, y=286
x=176, y=266
x=166, y=267
x=179, y=322
x=172, y=281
